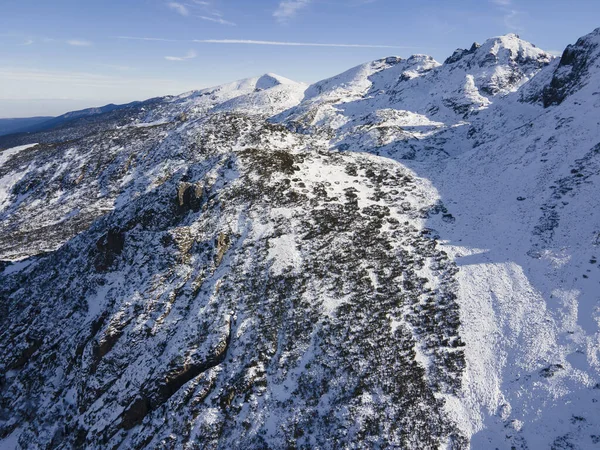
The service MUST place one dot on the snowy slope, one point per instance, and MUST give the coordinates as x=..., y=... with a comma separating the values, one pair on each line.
x=266, y=95
x=527, y=233
x=401, y=256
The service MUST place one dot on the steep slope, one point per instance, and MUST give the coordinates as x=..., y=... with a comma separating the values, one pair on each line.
x=517, y=174
x=578, y=65
x=525, y=238
x=400, y=256
x=263, y=296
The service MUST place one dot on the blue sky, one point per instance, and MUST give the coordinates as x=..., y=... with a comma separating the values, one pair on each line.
x=62, y=55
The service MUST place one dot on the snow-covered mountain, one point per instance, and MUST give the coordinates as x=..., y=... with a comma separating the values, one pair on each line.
x=402, y=256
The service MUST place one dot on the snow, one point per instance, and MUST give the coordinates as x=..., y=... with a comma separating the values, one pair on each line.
x=11, y=442
x=519, y=183
x=17, y=267
x=10, y=178
x=5, y=155
x=149, y=124
x=519, y=314
x=284, y=254
x=7, y=182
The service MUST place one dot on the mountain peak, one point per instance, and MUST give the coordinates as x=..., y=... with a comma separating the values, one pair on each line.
x=510, y=48
x=270, y=80
x=505, y=49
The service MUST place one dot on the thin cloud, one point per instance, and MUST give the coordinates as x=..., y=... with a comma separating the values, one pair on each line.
x=79, y=43
x=511, y=20
x=217, y=20
x=510, y=14
x=290, y=44
x=257, y=42
x=202, y=7
x=179, y=8
x=289, y=8
x=117, y=67
x=132, y=38
x=189, y=55
x=72, y=78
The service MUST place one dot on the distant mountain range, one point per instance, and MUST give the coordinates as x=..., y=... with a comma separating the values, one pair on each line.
x=9, y=126
x=405, y=255
x=38, y=124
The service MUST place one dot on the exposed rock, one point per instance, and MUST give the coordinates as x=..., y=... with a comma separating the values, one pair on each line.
x=108, y=248
x=573, y=69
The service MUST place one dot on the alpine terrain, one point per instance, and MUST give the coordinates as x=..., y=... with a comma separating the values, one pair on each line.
x=406, y=255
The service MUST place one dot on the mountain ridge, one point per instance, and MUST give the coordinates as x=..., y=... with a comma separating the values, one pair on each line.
x=403, y=255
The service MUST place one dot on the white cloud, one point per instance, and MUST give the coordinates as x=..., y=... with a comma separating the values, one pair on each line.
x=291, y=44
x=511, y=16
x=511, y=20
x=79, y=43
x=217, y=19
x=187, y=9
x=189, y=55
x=179, y=8
x=289, y=8
x=116, y=67
x=131, y=38
x=255, y=42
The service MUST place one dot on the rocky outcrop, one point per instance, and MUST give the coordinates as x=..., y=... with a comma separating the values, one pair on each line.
x=109, y=247
x=189, y=196
x=573, y=69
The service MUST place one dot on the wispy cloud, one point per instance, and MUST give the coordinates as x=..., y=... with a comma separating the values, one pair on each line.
x=511, y=20
x=289, y=8
x=117, y=67
x=73, y=78
x=217, y=19
x=189, y=55
x=201, y=10
x=25, y=40
x=132, y=38
x=179, y=8
x=510, y=14
x=290, y=44
x=79, y=43
x=257, y=42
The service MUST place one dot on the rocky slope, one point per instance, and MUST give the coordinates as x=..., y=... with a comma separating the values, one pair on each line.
x=402, y=256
